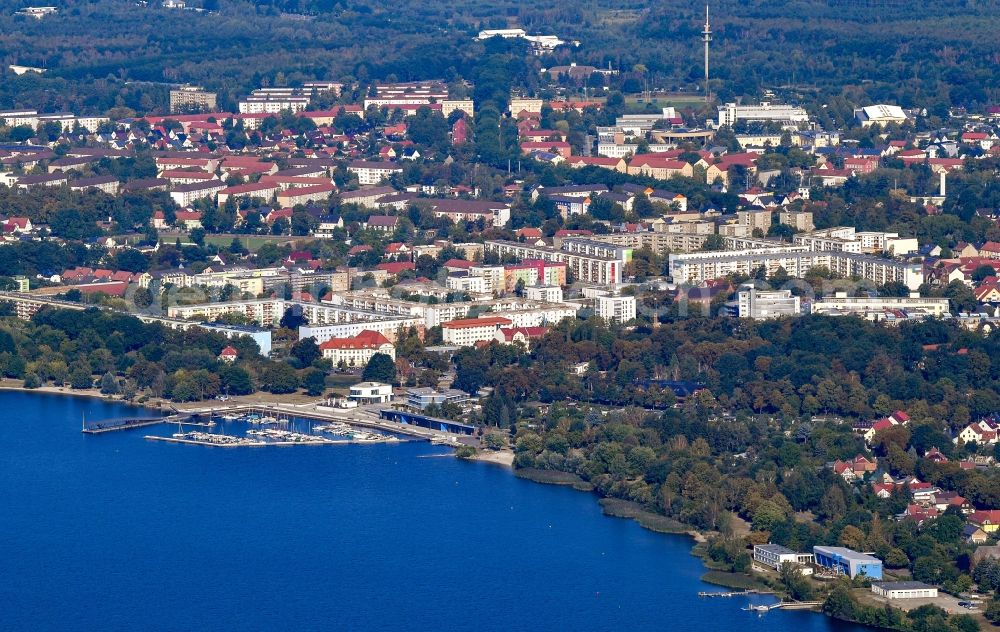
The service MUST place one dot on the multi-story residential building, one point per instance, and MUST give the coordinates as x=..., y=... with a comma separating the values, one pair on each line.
x=248, y=191
x=188, y=98
x=465, y=282
x=523, y=104
x=659, y=167
x=796, y=261
x=108, y=184
x=185, y=194
x=591, y=268
x=325, y=320
x=615, y=309
x=467, y=332
x=534, y=272
x=357, y=350
x=450, y=105
x=303, y=195
x=274, y=101
x=366, y=197
x=755, y=220
x=537, y=316
x=763, y=304
x=496, y=214
x=547, y=293
x=369, y=172
x=801, y=221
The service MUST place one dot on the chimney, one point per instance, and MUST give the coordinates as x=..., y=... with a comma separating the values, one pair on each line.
x=943, y=178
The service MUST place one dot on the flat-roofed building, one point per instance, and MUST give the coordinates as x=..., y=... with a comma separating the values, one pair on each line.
x=730, y=113
x=188, y=98
x=763, y=304
x=872, y=307
x=904, y=590
x=370, y=393
x=615, y=309
x=370, y=172
x=591, y=268
x=775, y=555
x=845, y=561
x=796, y=261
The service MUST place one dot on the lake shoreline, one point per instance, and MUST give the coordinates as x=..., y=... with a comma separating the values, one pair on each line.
x=611, y=507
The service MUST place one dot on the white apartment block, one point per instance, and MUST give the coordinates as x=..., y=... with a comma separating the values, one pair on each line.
x=537, y=317
x=847, y=239
x=273, y=101
x=325, y=320
x=183, y=195
x=466, y=283
x=615, y=309
x=547, y=293
x=370, y=173
x=796, y=262
x=763, y=304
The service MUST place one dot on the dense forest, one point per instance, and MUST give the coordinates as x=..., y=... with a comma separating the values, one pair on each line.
x=114, y=55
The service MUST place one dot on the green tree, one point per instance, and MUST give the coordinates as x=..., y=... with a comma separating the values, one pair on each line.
x=380, y=368
x=314, y=382
x=306, y=351
x=279, y=377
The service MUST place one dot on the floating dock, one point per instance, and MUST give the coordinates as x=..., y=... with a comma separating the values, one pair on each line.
x=730, y=593
x=112, y=425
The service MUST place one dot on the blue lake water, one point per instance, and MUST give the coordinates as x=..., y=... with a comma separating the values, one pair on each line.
x=113, y=532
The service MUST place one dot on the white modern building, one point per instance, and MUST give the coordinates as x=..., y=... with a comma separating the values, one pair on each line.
x=370, y=393
x=763, y=304
x=615, y=309
x=370, y=173
x=872, y=307
x=775, y=555
x=904, y=590
x=730, y=113
x=547, y=293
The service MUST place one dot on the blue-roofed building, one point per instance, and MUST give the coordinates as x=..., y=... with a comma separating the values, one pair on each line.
x=845, y=561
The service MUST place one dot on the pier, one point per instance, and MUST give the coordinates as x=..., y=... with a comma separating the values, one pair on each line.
x=734, y=593
x=129, y=423
x=786, y=605
x=125, y=423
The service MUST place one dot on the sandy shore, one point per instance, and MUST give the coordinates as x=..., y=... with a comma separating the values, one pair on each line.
x=93, y=393
x=502, y=457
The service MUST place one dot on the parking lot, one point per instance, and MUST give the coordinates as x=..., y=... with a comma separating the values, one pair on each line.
x=947, y=602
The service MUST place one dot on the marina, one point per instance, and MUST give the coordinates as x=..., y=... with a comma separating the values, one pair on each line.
x=273, y=425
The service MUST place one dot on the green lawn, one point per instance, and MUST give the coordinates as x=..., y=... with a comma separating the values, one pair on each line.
x=251, y=242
